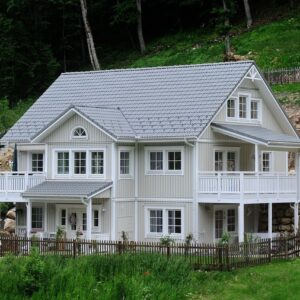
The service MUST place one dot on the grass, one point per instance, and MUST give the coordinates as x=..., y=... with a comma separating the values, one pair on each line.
x=274, y=45
x=141, y=277
x=286, y=88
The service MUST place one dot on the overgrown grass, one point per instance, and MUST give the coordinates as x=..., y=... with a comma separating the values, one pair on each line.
x=286, y=88
x=274, y=45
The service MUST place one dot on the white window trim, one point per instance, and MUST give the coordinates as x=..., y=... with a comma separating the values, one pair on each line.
x=227, y=149
x=131, y=162
x=271, y=161
x=43, y=218
x=71, y=174
x=29, y=167
x=165, y=151
x=72, y=137
x=165, y=210
x=248, y=109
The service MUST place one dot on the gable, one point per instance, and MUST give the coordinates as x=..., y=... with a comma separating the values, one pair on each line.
x=272, y=115
x=63, y=133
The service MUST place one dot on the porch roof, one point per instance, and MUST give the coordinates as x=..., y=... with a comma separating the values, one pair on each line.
x=257, y=134
x=68, y=189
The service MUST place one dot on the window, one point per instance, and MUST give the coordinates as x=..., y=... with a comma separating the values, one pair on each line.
x=96, y=218
x=97, y=162
x=218, y=161
x=63, y=163
x=37, y=162
x=226, y=159
x=164, y=221
x=156, y=160
x=266, y=161
x=231, y=220
x=218, y=224
x=242, y=107
x=156, y=221
x=164, y=160
x=174, y=161
x=63, y=214
x=254, y=110
x=79, y=162
x=124, y=162
x=174, y=221
x=79, y=133
x=231, y=161
x=84, y=222
x=37, y=218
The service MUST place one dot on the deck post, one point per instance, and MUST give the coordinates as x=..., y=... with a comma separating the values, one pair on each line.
x=296, y=217
x=28, y=218
x=89, y=219
x=256, y=166
x=270, y=213
x=241, y=222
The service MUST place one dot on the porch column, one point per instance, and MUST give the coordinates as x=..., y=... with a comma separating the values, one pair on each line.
x=89, y=219
x=241, y=222
x=270, y=227
x=45, y=217
x=296, y=217
x=256, y=166
x=28, y=217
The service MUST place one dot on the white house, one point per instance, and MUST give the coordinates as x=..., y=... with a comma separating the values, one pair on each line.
x=198, y=149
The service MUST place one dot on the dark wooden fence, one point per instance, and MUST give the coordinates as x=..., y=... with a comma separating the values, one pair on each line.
x=200, y=256
x=282, y=76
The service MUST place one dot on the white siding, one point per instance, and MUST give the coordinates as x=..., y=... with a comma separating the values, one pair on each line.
x=125, y=219
x=206, y=225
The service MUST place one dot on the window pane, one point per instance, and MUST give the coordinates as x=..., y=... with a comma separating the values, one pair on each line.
x=97, y=162
x=37, y=218
x=156, y=221
x=174, y=221
x=230, y=220
x=79, y=162
x=231, y=108
x=218, y=161
x=37, y=162
x=266, y=161
x=124, y=162
x=63, y=163
x=242, y=107
x=63, y=217
x=156, y=160
x=96, y=218
x=254, y=110
x=84, y=221
x=174, y=160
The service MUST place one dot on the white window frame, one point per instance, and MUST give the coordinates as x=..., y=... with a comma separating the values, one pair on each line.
x=271, y=161
x=73, y=137
x=43, y=218
x=225, y=150
x=71, y=173
x=165, y=230
x=165, y=151
x=30, y=158
x=249, y=99
x=131, y=162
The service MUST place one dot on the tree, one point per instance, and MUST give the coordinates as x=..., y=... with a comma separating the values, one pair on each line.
x=89, y=37
x=226, y=28
x=140, y=26
x=248, y=13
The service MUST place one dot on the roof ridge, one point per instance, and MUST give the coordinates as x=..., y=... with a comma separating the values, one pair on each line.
x=159, y=67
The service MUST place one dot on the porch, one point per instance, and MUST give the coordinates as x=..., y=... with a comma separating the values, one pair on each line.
x=246, y=187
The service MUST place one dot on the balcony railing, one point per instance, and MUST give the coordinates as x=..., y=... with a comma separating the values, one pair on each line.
x=17, y=182
x=243, y=183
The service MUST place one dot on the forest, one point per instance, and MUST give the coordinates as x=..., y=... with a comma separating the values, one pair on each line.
x=39, y=39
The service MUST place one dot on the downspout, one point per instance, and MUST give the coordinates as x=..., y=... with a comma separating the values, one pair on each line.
x=136, y=188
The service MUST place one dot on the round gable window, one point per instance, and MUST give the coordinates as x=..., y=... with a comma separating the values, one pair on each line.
x=79, y=133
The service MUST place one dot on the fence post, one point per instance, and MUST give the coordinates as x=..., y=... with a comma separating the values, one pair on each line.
x=269, y=250
x=74, y=248
x=1, y=246
x=168, y=251
x=286, y=248
x=119, y=247
x=227, y=257
x=220, y=256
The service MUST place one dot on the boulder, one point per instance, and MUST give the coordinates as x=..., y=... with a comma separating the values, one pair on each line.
x=9, y=225
x=289, y=212
x=4, y=233
x=11, y=214
x=285, y=227
x=285, y=221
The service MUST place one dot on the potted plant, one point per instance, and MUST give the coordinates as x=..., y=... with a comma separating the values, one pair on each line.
x=60, y=236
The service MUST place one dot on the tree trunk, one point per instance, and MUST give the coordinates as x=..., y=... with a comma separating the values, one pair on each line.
x=89, y=37
x=248, y=13
x=226, y=23
x=140, y=27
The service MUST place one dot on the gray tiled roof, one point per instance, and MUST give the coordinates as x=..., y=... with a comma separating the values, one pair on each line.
x=259, y=134
x=66, y=188
x=163, y=102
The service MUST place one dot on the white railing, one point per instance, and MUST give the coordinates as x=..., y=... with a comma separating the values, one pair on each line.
x=246, y=183
x=19, y=181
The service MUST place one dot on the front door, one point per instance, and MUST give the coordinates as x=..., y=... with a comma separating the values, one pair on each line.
x=225, y=222
x=77, y=223
x=226, y=161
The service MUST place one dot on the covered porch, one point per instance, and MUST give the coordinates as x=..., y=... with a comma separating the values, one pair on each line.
x=254, y=179
x=250, y=221
x=75, y=209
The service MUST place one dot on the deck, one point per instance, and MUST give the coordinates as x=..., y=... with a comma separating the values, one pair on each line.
x=246, y=187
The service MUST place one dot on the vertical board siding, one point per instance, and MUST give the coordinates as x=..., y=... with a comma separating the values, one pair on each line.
x=51, y=216
x=125, y=219
x=206, y=225
x=166, y=186
x=22, y=161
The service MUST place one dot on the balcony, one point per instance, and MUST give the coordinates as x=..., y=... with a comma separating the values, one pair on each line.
x=12, y=184
x=247, y=187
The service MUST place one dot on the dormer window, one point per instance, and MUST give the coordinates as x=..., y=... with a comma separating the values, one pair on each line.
x=79, y=133
x=243, y=108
